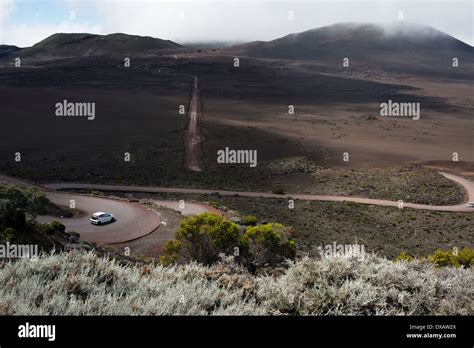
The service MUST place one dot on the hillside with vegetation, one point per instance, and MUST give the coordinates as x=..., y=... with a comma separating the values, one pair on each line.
x=18, y=209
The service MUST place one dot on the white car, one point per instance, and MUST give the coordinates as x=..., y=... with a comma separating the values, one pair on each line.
x=100, y=218
x=471, y=204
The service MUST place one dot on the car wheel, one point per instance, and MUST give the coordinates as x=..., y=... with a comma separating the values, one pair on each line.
x=99, y=223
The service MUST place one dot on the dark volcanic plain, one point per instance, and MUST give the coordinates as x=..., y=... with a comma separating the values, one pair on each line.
x=336, y=108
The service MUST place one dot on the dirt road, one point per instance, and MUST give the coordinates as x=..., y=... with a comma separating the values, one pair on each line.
x=133, y=220
x=193, y=138
x=467, y=185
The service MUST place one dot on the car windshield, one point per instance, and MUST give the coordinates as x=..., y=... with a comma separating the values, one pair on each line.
x=93, y=217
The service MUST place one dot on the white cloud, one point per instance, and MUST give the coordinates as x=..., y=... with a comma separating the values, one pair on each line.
x=27, y=34
x=198, y=20
x=6, y=6
x=24, y=35
x=186, y=21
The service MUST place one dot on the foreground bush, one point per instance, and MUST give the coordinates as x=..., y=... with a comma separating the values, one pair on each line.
x=204, y=237
x=249, y=220
x=266, y=245
x=80, y=283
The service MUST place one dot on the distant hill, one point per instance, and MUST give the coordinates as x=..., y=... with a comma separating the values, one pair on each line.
x=63, y=45
x=356, y=40
x=8, y=49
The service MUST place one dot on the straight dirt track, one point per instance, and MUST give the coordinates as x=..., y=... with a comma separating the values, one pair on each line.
x=193, y=152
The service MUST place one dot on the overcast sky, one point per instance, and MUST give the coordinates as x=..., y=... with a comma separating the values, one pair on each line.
x=25, y=22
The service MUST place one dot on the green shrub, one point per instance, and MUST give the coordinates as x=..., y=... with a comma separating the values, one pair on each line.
x=213, y=204
x=18, y=203
x=403, y=256
x=443, y=258
x=203, y=237
x=466, y=257
x=249, y=220
x=266, y=245
x=171, y=252
x=462, y=258
x=58, y=227
x=451, y=258
x=37, y=202
x=53, y=228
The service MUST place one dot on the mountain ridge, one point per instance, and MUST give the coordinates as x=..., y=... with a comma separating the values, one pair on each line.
x=352, y=39
x=66, y=45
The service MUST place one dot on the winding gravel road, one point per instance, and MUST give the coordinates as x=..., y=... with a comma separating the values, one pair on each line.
x=135, y=221
x=464, y=207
